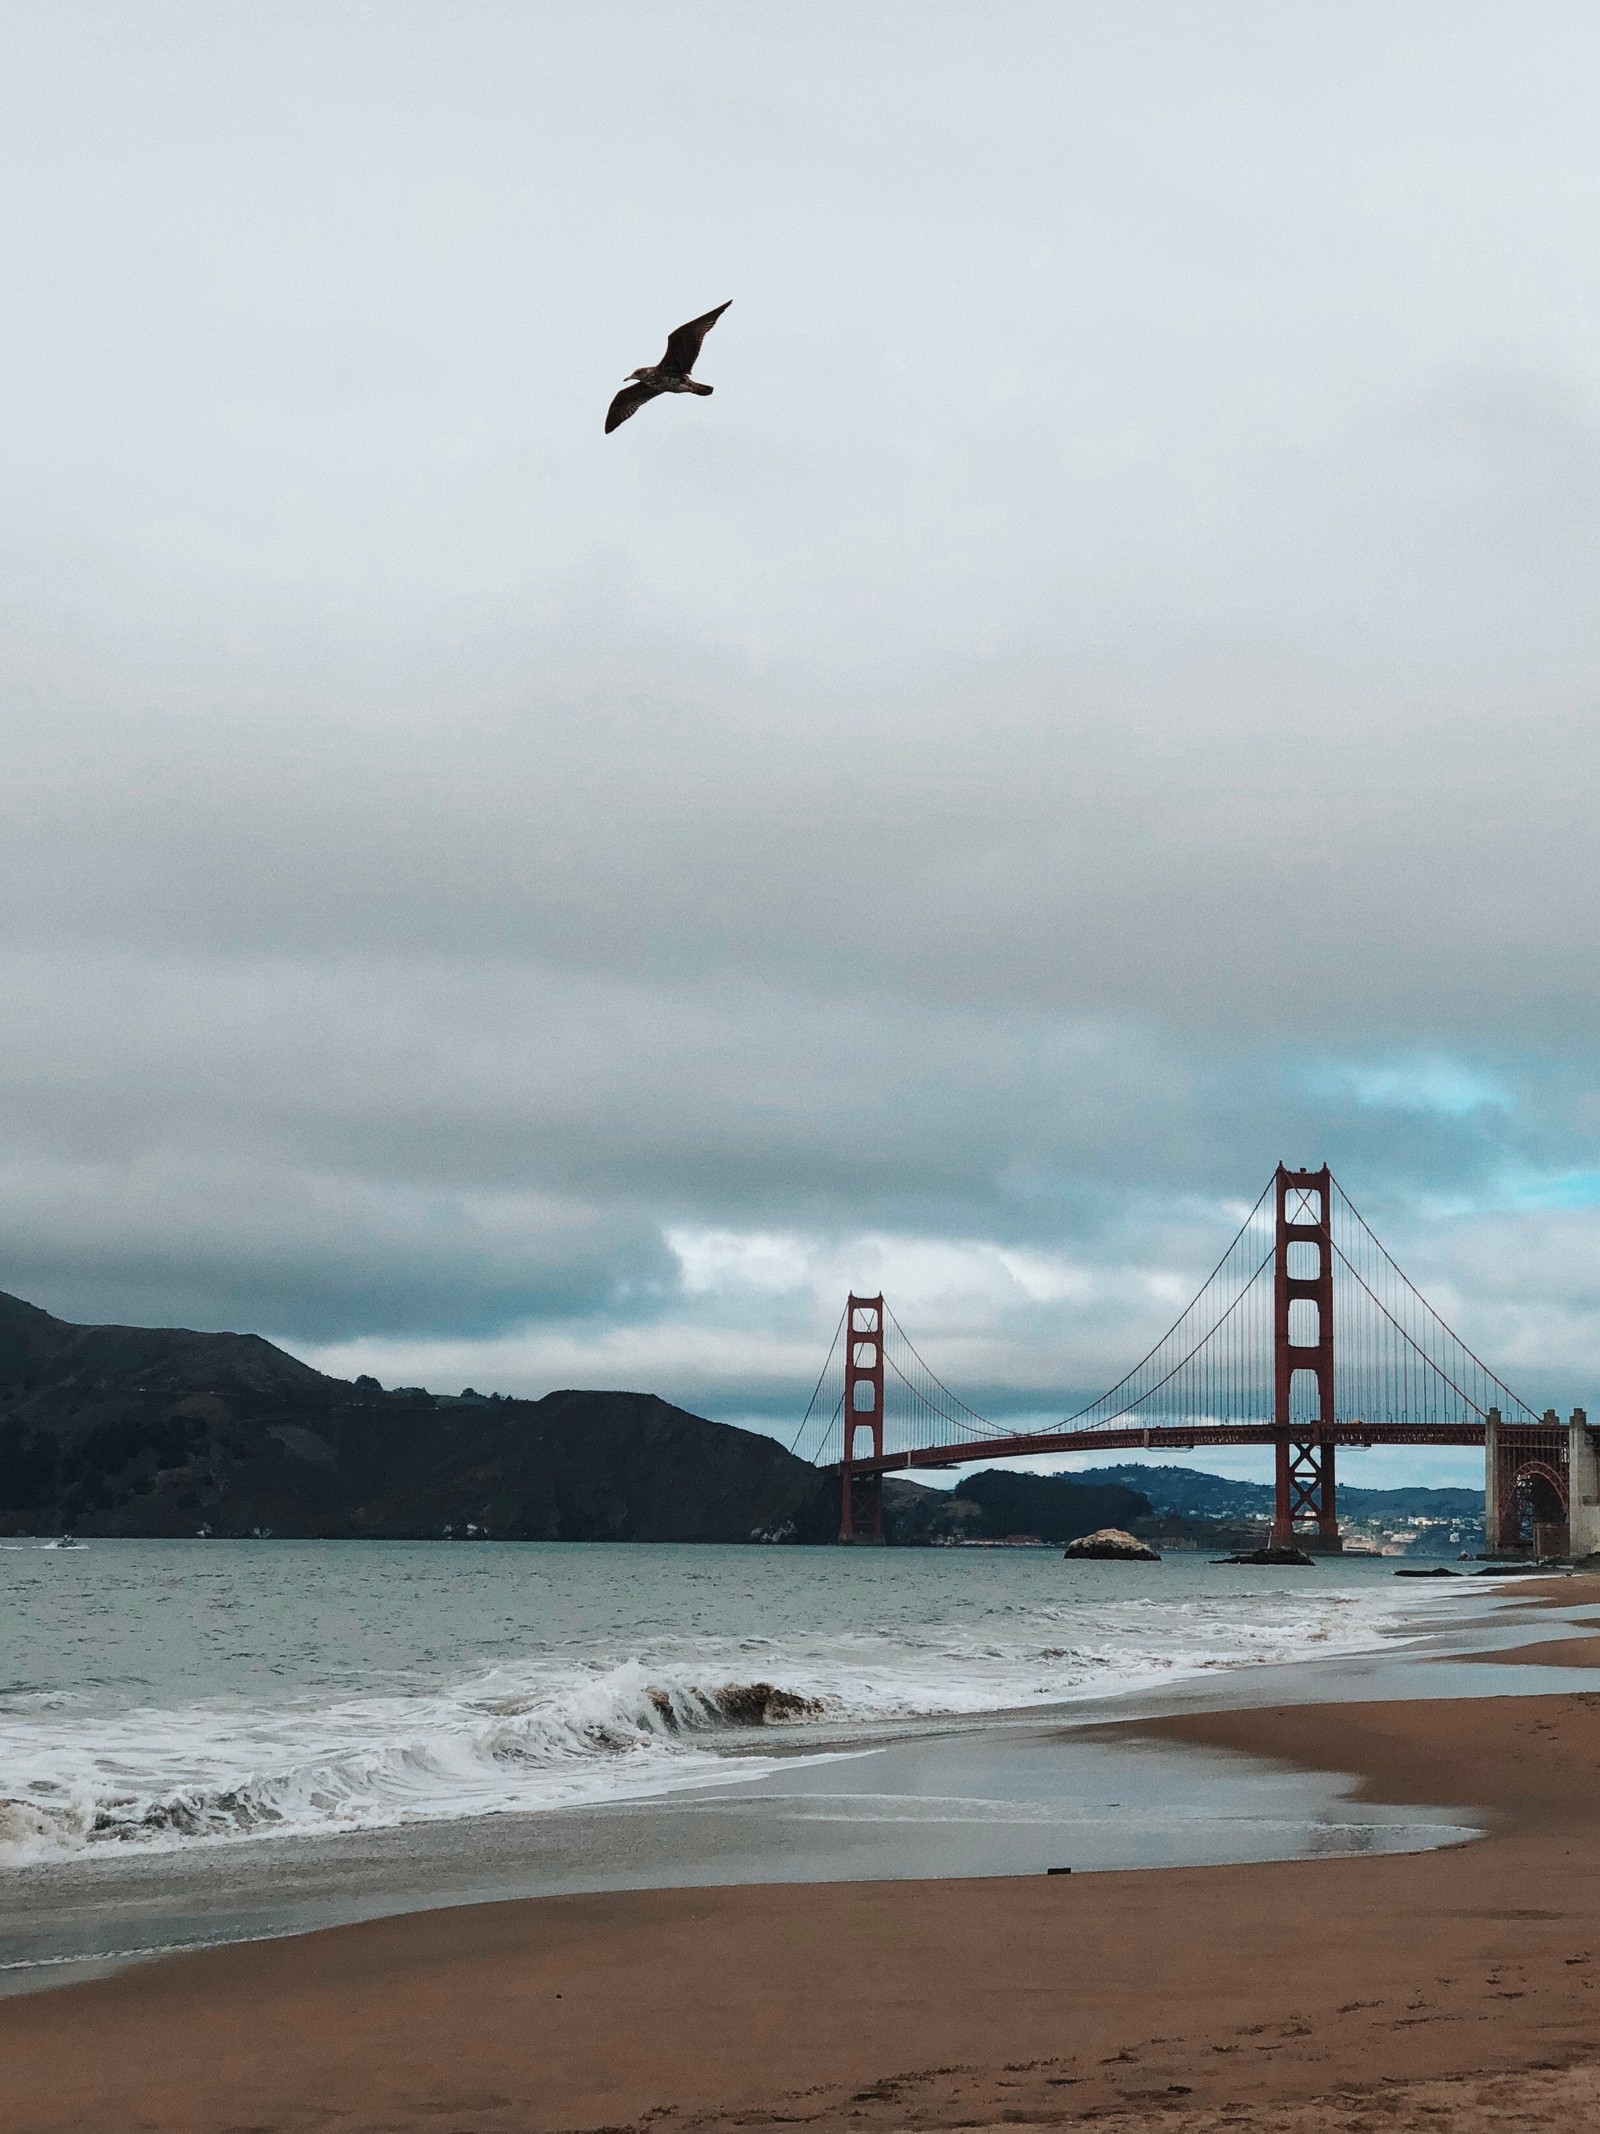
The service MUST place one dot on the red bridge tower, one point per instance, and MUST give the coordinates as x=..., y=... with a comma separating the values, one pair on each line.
x=1304, y=1510
x=861, y=1499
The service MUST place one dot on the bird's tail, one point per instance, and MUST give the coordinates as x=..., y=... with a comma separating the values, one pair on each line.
x=696, y=387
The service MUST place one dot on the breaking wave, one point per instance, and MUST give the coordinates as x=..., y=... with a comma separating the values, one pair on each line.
x=378, y=1761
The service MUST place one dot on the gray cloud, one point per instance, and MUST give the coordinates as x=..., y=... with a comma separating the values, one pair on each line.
x=1101, y=699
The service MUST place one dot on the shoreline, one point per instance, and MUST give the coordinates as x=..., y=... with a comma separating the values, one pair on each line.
x=981, y=1794
x=921, y=2003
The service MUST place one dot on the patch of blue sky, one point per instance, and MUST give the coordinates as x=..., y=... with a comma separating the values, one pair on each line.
x=1432, y=1083
x=1555, y=1189
x=1517, y=1189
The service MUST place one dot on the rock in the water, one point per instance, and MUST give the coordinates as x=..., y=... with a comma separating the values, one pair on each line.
x=1269, y=1555
x=1438, y=1570
x=1110, y=1544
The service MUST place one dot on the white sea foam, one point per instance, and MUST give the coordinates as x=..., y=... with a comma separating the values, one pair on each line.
x=81, y=1771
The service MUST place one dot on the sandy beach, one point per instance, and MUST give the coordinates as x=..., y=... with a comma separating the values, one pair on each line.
x=1311, y=1994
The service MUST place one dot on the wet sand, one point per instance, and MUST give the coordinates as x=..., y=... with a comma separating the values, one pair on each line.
x=987, y=1799
x=1395, y=1991
x=1566, y=1652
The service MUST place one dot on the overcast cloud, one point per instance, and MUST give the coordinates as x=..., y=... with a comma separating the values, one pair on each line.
x=1101, y=699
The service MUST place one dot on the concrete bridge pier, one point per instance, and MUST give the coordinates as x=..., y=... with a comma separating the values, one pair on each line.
x=1550, y=1471
x=1583, y=1488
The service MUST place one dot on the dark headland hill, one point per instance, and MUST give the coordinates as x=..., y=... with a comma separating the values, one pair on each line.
x=160, y=1431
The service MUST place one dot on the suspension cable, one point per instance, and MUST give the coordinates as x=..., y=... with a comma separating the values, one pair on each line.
x=1415, y=1345
x=1368, y=1232
x=1128, y=1407
x=822, y=1375
x=1130, y=1376
x=982, y=1420
x=954, y=1421
x=1229, y=1373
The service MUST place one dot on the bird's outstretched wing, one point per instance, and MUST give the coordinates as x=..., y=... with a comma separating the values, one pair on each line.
x=628, y=402
x=683, y=345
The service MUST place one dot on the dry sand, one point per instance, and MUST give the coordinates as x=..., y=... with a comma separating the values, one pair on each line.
x=1446, y=1989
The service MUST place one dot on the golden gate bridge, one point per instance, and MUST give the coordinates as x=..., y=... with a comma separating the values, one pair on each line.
x=1306, y=1336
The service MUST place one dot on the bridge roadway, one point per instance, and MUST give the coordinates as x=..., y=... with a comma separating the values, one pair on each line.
x=1170, y=1437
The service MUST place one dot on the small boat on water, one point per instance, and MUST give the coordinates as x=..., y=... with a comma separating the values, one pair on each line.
x=67, y=1541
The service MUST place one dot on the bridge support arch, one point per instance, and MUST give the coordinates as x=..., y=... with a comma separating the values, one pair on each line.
x=861, y=1495
x=1305, y=1511
x=1541, y=1488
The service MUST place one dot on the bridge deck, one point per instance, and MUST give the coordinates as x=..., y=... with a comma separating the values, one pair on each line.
x=1166, y=1437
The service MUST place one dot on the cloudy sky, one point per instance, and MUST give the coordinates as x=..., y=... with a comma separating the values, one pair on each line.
x=1104, y=696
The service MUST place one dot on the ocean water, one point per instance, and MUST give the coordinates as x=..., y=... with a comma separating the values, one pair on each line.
x=173, y=1695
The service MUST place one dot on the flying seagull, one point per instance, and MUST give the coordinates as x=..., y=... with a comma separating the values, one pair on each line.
x=670, y=375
